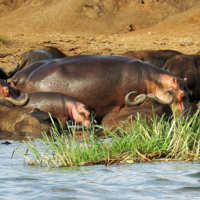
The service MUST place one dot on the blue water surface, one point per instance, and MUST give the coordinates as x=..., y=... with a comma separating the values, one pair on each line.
x=171, y=180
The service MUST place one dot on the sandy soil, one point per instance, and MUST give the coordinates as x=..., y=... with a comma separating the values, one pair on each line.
x=98, y=26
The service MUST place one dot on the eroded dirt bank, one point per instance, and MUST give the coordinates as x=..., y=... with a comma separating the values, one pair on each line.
x=98, y=26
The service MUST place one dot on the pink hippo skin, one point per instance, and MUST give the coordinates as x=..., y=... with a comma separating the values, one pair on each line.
x=61, y=106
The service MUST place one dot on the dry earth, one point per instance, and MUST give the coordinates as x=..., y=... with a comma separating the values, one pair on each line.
x=98, y=26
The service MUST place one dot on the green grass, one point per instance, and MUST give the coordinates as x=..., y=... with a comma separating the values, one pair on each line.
x=4, y=40
x=141, y=142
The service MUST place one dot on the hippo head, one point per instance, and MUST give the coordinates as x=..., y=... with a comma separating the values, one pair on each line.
x=180, y=91
x=81, y=113
x=6, y=90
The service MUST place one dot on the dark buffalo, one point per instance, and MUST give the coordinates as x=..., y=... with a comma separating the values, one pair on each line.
x=10, y=102
x=147, y=106
x=18, y=80
x=147, y=99
x=103, y=81
x=32, y=56
x=195, y=105
x=17, y=122
x=60, y=106
x=187, y=66
x=6, y=74
x=154, y=57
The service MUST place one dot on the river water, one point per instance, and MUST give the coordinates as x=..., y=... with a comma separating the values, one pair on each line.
x=171, y=180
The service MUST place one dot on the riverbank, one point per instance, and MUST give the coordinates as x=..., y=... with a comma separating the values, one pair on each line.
x=82, y=27
x=139, y=141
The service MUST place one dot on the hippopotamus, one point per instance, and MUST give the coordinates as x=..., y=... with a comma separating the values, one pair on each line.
x=60, y=106
x=18, y=80
x=32, y=56
x=102, y=81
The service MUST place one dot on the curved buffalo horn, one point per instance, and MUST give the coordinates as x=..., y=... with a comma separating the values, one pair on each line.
x=169, y=102
x=19, y=103
x=6, y=74
x=138, y=99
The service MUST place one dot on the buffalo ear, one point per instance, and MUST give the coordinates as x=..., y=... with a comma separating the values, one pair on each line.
x=185, y=79
x=5, y=91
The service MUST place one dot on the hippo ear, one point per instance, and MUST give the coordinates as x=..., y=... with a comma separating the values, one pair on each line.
x=185, y=79
x=5, y=91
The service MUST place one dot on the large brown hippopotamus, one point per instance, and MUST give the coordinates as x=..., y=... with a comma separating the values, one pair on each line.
x=60, y=106
x=187, y=66
x=102, y=82
x=18, y=80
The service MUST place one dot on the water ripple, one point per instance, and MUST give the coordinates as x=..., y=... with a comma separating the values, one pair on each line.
x=172, y=180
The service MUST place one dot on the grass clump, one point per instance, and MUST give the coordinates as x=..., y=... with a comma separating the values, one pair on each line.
x=4, y=40
x=139, y=142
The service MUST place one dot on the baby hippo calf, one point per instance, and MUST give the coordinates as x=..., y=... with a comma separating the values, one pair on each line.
x=61, y=106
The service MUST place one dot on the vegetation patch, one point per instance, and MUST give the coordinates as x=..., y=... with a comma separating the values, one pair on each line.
x=4, y=40
x=140, y=141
